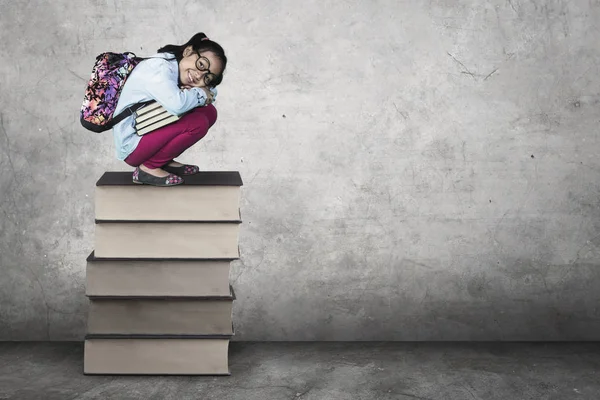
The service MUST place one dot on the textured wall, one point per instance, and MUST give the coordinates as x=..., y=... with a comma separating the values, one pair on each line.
x=414, y=170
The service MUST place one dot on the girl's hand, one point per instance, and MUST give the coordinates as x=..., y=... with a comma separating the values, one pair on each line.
x=210, y=97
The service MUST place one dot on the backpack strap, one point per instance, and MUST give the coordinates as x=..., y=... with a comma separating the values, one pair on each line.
x=128, y=111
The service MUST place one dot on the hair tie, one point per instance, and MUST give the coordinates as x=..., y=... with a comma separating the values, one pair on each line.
x=204, y=39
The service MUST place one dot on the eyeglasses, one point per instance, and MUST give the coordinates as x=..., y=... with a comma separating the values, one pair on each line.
x=203, y=64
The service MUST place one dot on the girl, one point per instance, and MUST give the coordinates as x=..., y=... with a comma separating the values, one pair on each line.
x=180, y=78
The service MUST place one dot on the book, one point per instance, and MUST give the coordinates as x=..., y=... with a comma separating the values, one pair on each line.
x=156, y=355
x=153, y=116
x=207, y=315
x=200, y=239
x=205, y=196
x=156, y=277
x=151, y=106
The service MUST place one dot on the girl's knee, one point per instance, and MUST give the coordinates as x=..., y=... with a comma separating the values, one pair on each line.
x=211, y=114
x=132, y=162
x=199, y=121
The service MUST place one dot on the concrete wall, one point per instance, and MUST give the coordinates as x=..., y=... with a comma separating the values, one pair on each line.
x=414, y=170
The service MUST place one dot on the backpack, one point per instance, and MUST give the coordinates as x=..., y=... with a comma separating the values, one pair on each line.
x=109, y=74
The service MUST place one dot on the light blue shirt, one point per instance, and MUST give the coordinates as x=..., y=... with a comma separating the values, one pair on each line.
x=152, y=79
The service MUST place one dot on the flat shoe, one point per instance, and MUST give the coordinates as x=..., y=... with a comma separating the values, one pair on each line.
x=182, y=170
x=144, y=178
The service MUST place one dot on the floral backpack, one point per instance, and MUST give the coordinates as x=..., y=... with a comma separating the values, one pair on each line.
x=109, y=74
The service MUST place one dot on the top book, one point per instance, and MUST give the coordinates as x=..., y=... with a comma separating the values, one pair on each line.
x=205, y=196
x=202, y=178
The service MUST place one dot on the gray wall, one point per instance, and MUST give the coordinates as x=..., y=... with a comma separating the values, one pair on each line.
x=414, y=170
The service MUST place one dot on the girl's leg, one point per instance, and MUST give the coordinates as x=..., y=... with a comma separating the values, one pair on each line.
x=197, y=129
x=163, y=145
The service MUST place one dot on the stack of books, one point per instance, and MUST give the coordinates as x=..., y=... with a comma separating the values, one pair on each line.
x=153, y=116
x=160, y=301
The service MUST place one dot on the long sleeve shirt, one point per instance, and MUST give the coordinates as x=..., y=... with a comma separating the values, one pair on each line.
x=152, y=79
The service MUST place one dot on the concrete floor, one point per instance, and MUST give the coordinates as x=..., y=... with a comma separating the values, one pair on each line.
x=323, y=371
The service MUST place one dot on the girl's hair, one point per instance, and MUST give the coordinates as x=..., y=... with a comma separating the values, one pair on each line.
x=199, y=43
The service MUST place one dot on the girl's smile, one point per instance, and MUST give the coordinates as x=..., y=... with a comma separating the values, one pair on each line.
x=198, y=69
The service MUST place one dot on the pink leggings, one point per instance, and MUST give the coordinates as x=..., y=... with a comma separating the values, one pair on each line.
x=159, y=147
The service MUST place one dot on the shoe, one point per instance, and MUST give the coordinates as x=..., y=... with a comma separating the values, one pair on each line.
x=185, y=169
x=144, y=178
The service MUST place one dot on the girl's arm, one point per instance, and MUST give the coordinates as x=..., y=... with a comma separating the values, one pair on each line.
x=163, y=87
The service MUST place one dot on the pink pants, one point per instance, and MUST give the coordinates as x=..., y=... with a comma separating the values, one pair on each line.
x=159, y=147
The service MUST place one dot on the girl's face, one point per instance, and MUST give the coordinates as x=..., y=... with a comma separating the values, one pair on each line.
x=198, y=69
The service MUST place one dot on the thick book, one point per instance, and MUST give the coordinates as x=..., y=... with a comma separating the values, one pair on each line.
x=207, y=315
x=153, y=116
x=156, y=277
x=167, y=239
x=205, y=196
x=158, y=355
